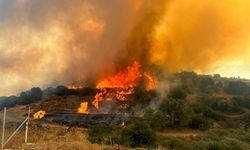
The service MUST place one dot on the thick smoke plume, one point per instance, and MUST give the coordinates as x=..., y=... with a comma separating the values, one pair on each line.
x=50, y=42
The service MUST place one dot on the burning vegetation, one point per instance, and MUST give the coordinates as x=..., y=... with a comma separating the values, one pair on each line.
x=40, y=114
x=120, y=86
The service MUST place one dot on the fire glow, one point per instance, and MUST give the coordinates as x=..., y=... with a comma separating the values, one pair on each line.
x=40, y=114
x=119, y=86
x=74, y=87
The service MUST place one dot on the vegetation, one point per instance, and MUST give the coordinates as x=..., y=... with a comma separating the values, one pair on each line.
x=202, y=103
x=137, y=134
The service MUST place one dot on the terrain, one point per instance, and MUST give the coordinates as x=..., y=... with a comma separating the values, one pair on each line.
x=199, y=112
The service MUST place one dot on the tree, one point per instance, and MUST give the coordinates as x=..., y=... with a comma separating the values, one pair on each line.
x=25, y=98
x=206, y=84
x=156, y=120
x=98, y=133
x=61, y=91
x=236, y=88
x=36, y=93
x=139, y=134
x=177, y=112
x=200, y=122
x=177, y=94
x=246, y=119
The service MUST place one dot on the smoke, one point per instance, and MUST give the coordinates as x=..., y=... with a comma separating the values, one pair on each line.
x=193, y=35
x=59, y=41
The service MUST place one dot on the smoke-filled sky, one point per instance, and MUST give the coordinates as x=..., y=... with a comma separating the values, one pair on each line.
x=49, y=42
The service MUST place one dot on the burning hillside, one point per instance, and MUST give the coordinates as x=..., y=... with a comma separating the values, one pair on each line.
x=113, y=97
x=120, y=86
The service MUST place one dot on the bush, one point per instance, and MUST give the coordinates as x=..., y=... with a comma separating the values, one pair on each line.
x=228, y=106
x=242, y=101
x=98, y=133
x=156, y=120
x=176, y=112
x=200, y=145
x=207, y=112
x=200, y=123
x=139, y=134
x=172, y=143
x=237, y=88
x=246, y=120
x=231, y=144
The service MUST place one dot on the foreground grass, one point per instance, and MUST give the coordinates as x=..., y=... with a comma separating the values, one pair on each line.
x=44, y=136
x=216, y=139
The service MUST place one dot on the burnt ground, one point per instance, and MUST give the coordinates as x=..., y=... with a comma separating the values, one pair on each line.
x=51, y=136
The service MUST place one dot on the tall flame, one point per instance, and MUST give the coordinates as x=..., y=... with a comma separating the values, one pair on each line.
x=119, y=87
x=124, y=82
x=122, y=79
x=83, y=108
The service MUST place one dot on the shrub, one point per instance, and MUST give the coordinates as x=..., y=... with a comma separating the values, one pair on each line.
x=246, y=120
x=172, y=143
x=228, y=106
x=207, y=112
x=177, y=112
x=156, y=120
x=200, y=123
x=231, y=144
x=139, y=134
x=98, y=133
x=205, y=145
x=237, y=88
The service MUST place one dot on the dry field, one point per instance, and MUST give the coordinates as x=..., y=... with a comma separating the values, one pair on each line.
x=46, y=136
x=50, y=136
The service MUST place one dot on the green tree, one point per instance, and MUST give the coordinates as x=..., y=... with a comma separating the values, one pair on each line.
x=98, y=133
x=156, y=120
x=177, y=112
x=200, y=123
x=139, y=134
x=246, y=120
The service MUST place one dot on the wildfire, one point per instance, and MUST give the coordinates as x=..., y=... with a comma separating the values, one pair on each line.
x=73, y=87
x=83, y=108
x=122, y=79
x=120, y=86
x=124, y=83
x=40, y=114
x=151, y=81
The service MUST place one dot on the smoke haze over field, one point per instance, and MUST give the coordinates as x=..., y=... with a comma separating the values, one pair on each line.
x=50, y=42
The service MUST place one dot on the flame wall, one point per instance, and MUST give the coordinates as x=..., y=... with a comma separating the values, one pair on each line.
x=50, y=42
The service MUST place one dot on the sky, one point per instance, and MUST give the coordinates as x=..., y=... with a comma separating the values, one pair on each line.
x=51, y=42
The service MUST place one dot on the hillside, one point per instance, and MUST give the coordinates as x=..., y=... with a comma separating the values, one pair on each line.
x=195, y=110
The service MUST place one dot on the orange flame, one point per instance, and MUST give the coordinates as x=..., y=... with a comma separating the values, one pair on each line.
x=124, y=82
x=83, y=109
x=151, y=81
x=120, y=86
x=122, y=79
x=40, y=114
x=74, y=87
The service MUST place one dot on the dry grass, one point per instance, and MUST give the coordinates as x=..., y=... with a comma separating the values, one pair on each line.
x=44, y=136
